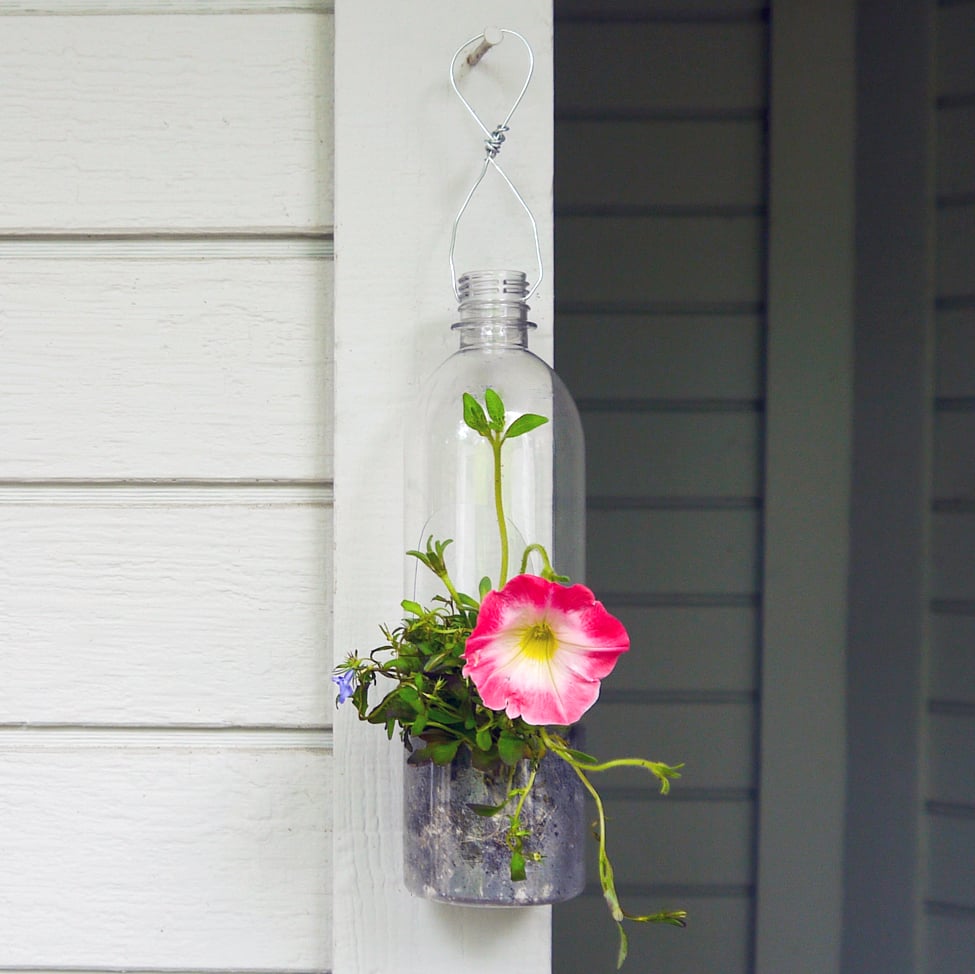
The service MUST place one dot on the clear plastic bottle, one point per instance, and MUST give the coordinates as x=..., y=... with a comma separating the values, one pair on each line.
x=451, y=468
x=450, y=853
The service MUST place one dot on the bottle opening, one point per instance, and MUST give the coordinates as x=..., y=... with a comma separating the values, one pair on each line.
x=497, y=285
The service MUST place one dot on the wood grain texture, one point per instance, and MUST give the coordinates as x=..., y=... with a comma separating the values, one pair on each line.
x=165, y=858
x=208, y=611
x=165, y=368
x=171, y=122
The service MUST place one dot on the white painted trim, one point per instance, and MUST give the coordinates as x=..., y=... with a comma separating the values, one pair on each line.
x=406, y=153
x=799, y=908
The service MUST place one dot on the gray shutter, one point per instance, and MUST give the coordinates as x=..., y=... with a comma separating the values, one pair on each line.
x=660, y=220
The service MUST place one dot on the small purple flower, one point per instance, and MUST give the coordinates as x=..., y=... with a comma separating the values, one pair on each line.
x=345, y=681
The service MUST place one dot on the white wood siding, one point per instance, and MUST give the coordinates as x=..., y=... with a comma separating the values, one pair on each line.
x=660, y=196
x=165, y=485
x=950, y=807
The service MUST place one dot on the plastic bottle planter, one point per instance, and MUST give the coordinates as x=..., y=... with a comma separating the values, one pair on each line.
x=454, y=855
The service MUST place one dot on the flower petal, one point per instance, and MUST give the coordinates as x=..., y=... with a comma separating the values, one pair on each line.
x=539, y=650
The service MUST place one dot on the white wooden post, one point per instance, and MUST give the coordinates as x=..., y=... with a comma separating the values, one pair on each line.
x=406, y=153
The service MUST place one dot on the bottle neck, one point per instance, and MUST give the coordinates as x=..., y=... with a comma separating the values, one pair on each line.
x=492, y=310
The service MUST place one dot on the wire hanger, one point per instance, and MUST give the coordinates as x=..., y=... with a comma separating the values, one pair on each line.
x=494, y=140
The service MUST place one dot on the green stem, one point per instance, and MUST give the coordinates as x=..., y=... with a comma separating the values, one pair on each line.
x=546, y=564
x=516, y=818
x=451, y=590
x=496, y=443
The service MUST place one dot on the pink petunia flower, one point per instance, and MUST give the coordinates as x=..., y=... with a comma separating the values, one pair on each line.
x=539, y=650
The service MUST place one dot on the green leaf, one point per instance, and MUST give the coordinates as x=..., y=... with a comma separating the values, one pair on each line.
x=466, y=602
x=581, y=756
x=621, y=956
x=484, y=738
x=414, y=607
x=474, y=415
x=420, y=723
x=411, y=698
x=444, y=753
x=511, y=749
x=524, y=424
x=486, y=811
x=517, y=867
x=484, y=586
x=495, y=408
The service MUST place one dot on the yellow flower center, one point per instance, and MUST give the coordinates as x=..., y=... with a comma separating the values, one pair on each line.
x=538, y=642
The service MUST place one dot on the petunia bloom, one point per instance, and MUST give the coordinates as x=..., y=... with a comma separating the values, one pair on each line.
x=539, y=650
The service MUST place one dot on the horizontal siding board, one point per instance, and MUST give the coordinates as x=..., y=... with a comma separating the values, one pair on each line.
x=688, y=648
x=951, y=758
x=953, y=541
x=678, y=843
x=955, y=155
x=956, y=353
x=950, y=944
x=673, y=455
x=180, y=121
x=673, y=358
x=659, y=164
x=668, y=551
x=952, y=661
x=714, y=741
x=956, y=41
x=951, y=877
x=660, y=68
x=956, y=255
x=165, y=858
x=716, y=940
x=165, y=368
x=637, y=262
x=189, y=614
x=954, y=455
